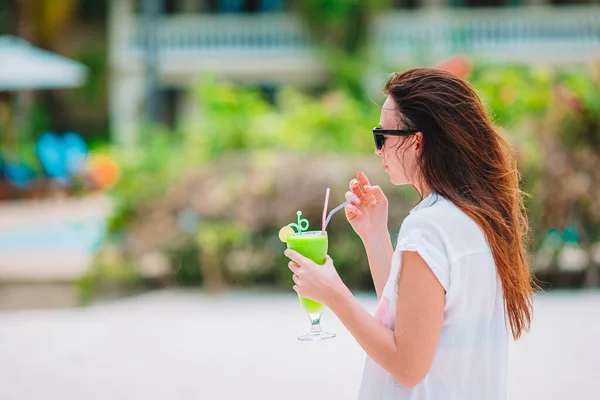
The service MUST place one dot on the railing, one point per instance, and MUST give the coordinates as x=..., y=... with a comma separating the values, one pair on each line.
x=512, y=34
x=550, y=33
x=226, y=35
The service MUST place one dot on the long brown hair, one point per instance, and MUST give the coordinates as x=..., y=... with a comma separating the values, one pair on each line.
x=465, y=160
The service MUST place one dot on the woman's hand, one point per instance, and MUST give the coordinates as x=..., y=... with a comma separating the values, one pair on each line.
x=317, y=282
x=369, y=212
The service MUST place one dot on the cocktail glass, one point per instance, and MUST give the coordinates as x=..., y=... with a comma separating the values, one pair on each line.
x=312, y=245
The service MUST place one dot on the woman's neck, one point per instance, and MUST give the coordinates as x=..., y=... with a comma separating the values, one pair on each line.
x=424, y=190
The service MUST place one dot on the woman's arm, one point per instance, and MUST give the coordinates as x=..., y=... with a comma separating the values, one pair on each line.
x=379, y=249
x=368, y=215
x=407, y=352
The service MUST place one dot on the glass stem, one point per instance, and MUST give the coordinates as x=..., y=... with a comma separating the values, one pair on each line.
x=315, y=323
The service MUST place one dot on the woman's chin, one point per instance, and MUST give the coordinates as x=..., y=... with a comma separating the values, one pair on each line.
x=396, y=178
x=398, y=181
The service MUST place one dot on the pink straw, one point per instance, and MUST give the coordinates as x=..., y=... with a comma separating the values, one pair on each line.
x=325, y=210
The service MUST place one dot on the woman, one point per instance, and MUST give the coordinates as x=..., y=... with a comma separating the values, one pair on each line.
x=458, y=278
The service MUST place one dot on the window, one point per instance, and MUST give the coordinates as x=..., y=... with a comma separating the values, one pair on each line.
x=165, y=6
x=486, y=3
x=406, y=4
x=7, y=18
x=92, y=9
x=170, y=6
x=268, y=93
x=243, y=6
x=213, y=6
x=171, y=104
x=569, y=2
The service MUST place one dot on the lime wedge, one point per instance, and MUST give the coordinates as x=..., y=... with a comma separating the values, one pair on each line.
x=285, y=232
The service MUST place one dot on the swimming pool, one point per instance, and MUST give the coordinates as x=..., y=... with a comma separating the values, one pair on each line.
x=75, y=236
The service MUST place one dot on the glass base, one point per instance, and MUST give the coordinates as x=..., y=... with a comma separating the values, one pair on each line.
x=316, y=336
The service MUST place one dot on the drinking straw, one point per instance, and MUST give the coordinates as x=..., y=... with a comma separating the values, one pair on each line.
x=325, y=210
x=338, y=208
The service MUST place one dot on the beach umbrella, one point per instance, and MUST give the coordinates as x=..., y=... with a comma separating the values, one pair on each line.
x=26, y=67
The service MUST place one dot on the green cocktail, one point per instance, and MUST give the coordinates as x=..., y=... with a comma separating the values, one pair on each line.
x=312, y=245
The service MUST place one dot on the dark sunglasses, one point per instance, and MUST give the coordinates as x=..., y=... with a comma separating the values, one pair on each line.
x=380, y=139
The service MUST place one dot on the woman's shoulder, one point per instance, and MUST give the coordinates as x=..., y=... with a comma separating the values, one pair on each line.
x=441, y=232
x=438, y=216
x=431, y=211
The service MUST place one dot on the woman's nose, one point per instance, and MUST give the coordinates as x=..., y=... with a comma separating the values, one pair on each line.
x=379, y=152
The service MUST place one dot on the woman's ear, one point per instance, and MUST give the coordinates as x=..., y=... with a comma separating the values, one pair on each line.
x=419, y=144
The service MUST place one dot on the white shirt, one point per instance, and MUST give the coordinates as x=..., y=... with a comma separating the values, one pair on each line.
x=471, y=359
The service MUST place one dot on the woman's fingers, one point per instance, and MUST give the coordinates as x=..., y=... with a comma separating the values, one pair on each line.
x=297, y=257
x=362, y=179
x=295, y=268
x=376, y=192
x=353, y=210
x=364, y=192
x=354, y=188
x=350, y=195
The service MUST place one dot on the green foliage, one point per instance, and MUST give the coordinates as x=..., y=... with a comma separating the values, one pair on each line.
x=237, y=120
x=339, y=24
x=582, y=124
x=107, y=275
x=146, y=171
x=513, y=92
x=96, y=61
x=213, y=237
x=517, y=98
x=340, y=30
x=185, y=261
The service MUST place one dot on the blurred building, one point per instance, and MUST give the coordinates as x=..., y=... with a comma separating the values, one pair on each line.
x=262, y=42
